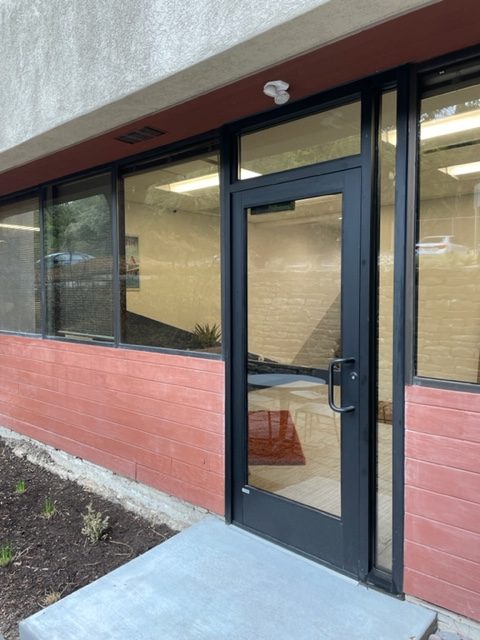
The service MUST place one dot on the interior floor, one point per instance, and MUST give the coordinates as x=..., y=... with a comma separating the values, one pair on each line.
x=316, y=480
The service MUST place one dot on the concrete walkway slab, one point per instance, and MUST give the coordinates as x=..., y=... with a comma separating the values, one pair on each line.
x=217, y=582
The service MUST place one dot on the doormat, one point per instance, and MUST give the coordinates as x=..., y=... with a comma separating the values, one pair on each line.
x=273, y=439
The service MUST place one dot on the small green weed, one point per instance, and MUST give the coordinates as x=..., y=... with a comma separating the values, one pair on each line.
x=49, y=508
x=94, y=524
x=6, y=554
x=20, y=486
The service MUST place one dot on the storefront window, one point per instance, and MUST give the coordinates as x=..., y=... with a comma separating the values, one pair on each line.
x=19, y=266
x=171, y=265
x=448, y=240
x=328, y=135
x=78, y=259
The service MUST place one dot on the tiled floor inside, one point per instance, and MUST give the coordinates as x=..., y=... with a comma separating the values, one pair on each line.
x=317, y=482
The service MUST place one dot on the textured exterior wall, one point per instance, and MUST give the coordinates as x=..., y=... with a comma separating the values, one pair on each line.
x=72, y=70
x=152, y=417
x=442, y=520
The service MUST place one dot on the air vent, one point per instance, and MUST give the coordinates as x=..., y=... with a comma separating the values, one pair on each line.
x=140, y=135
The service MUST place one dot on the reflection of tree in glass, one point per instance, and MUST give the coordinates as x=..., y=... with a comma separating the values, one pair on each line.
x=81, y=225
x=79, y=279
x=450, y=110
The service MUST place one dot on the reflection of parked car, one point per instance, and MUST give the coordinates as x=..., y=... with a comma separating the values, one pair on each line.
x=439, y=245
x=66, y=258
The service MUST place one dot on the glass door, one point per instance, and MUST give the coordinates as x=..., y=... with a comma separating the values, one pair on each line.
x=296, y=266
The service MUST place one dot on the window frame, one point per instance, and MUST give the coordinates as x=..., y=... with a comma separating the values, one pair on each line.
x=138, y=168
x=441, y=76
x=137, y=163
x=47, y=201
x=10, y=199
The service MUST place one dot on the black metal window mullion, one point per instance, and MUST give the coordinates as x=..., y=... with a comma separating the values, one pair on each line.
x=42, y=283
x=116, y=238
x=402, y=301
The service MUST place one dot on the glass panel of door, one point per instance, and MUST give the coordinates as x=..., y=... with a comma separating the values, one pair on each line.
x=294, y=259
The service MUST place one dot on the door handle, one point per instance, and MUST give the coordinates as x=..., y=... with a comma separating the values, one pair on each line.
x=335, y=365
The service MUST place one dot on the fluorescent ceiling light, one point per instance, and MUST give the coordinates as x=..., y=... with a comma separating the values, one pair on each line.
x=203, y=182
x=183, y=186
x=21, y=227
x=451, y=124
x=438, y=128
x=461, y=169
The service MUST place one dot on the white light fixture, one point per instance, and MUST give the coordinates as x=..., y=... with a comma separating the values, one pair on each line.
x=451, y=124
x=461, y=169
x=20, y=227
x=192, y=184
x=203, y=182
x=277, y=89
x=438, y=128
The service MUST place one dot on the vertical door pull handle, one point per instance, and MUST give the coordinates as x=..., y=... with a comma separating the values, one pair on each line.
x=334, y=366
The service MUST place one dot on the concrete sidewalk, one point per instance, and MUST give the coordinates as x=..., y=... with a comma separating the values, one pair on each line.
x=217, y=582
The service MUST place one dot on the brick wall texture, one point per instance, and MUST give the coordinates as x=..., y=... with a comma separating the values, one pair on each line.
x=152, y=417
x=442, y=499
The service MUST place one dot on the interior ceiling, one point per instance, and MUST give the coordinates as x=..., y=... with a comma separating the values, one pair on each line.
x=432, y=31
x=439, y=153
x=146, y=188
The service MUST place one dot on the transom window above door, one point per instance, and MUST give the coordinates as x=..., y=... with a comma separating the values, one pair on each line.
x=327, y=135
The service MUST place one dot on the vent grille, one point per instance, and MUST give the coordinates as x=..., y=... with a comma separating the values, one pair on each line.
x=140, y=135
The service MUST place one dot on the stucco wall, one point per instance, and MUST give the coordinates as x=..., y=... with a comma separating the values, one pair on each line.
x=72, y=70
x=152, y=417
x=442, y=499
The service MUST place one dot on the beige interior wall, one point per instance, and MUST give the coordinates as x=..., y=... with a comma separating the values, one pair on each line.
x=179, y=257
x=293, y=287
x=449, y=294
x=18, y=256
x=385, y=304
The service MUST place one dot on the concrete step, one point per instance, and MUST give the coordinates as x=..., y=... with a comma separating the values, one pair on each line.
x=217, y=582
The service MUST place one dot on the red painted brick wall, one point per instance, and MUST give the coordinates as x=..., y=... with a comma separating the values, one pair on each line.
x=156, y=418
x=442, y=499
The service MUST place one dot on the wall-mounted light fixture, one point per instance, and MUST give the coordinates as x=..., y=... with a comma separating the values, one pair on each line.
x=277, y=89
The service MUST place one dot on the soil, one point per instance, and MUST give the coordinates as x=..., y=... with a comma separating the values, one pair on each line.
x=51, y=556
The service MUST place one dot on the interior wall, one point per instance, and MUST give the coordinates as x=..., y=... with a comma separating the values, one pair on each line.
x=293, y=291
x=385, y=303
x=179, y=256
x=449, y=293
x=19, y=252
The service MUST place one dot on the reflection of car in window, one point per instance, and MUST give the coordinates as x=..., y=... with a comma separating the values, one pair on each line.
x=66, y=258
x=70, y=268
x=439, y=245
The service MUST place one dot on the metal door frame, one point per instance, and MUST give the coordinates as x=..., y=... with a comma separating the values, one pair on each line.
x=290, y=522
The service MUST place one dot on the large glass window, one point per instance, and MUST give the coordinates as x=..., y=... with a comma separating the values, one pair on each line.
x=331, y=134
x=19, y=266
x=78, y=259
x=171, y=266
x=448, y=241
